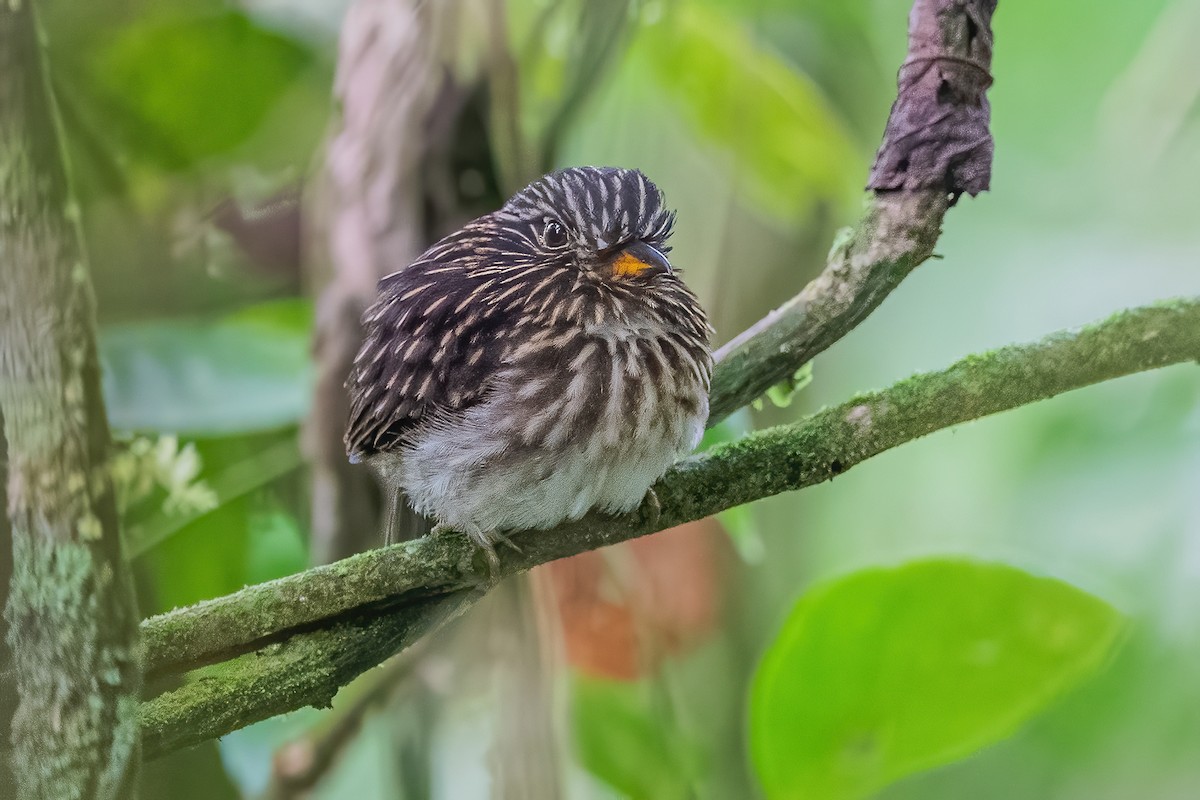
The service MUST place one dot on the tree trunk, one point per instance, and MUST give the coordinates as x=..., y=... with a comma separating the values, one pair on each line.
x=70, y=611
x=367, y=221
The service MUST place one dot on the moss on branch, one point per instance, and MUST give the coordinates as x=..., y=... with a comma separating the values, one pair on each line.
x=304, y=671
x=335, y=634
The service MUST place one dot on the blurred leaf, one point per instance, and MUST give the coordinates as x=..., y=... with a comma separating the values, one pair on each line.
x=566, y=50
x=890, y=671
x=275, y=548
x=194, y=85
x=788, y=141
x=235, y=480
x=205, y=559
x=782, y=393
x=630, y=748
x=249, y=540
x=292, y=315
x=246, y=372
x=1089, y=61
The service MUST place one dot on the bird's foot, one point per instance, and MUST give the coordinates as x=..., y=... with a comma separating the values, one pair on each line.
x=485, y=541
x=650, y=510
x=493, y=563
x=505, y=540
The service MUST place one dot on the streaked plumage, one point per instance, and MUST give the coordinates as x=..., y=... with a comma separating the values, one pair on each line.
x=542, y=361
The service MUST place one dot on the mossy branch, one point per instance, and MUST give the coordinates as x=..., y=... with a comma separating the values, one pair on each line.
x=307, y=670
x=306, y=635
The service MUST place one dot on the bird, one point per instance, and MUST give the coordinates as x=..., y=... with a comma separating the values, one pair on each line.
x=543, y=361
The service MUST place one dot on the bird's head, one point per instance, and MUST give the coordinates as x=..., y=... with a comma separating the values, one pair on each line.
x=609, y=225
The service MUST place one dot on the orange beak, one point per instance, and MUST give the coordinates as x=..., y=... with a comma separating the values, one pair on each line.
x=639, y=258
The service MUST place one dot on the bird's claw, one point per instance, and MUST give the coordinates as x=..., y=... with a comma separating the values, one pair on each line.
x=506, y=541
x=487, y=543
x=651, y=509
x=493, y=564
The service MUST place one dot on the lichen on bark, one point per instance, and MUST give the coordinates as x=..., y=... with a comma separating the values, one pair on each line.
x=71, y=618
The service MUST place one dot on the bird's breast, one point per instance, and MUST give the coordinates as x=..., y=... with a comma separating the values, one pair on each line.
x=577, y=422
x=616, y=387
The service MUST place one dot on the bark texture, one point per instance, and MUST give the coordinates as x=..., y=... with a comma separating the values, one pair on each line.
x=70, y=611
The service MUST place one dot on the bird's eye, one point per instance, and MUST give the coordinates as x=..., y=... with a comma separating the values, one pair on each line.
x=554, y=235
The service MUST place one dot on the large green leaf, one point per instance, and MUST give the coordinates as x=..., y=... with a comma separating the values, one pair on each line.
x=244, y=372
x=890, y=671
x=245, y=541
x=622, y=741
x=191, y=85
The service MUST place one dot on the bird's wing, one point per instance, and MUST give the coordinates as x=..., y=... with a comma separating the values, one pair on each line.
x=430, y=346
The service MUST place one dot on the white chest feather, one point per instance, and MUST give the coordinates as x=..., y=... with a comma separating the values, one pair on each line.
x=544, y=448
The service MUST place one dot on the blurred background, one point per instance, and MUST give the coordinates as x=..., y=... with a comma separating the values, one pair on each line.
x=244, y=180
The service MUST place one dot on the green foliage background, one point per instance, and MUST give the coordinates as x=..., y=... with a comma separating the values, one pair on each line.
x=1065, y=536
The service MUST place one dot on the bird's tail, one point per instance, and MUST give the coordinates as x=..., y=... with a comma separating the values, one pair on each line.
x=401, y=521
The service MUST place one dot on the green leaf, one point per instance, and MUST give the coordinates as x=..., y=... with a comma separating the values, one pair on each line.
x=887, y=672
x=266, y=465
x=782, y=393
x=565, y=51
x=247, y=372
x=207, y=558
x=790, y=145
x=623, y=743
x=275, y=547
x=247, y=540
x=192, y=85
